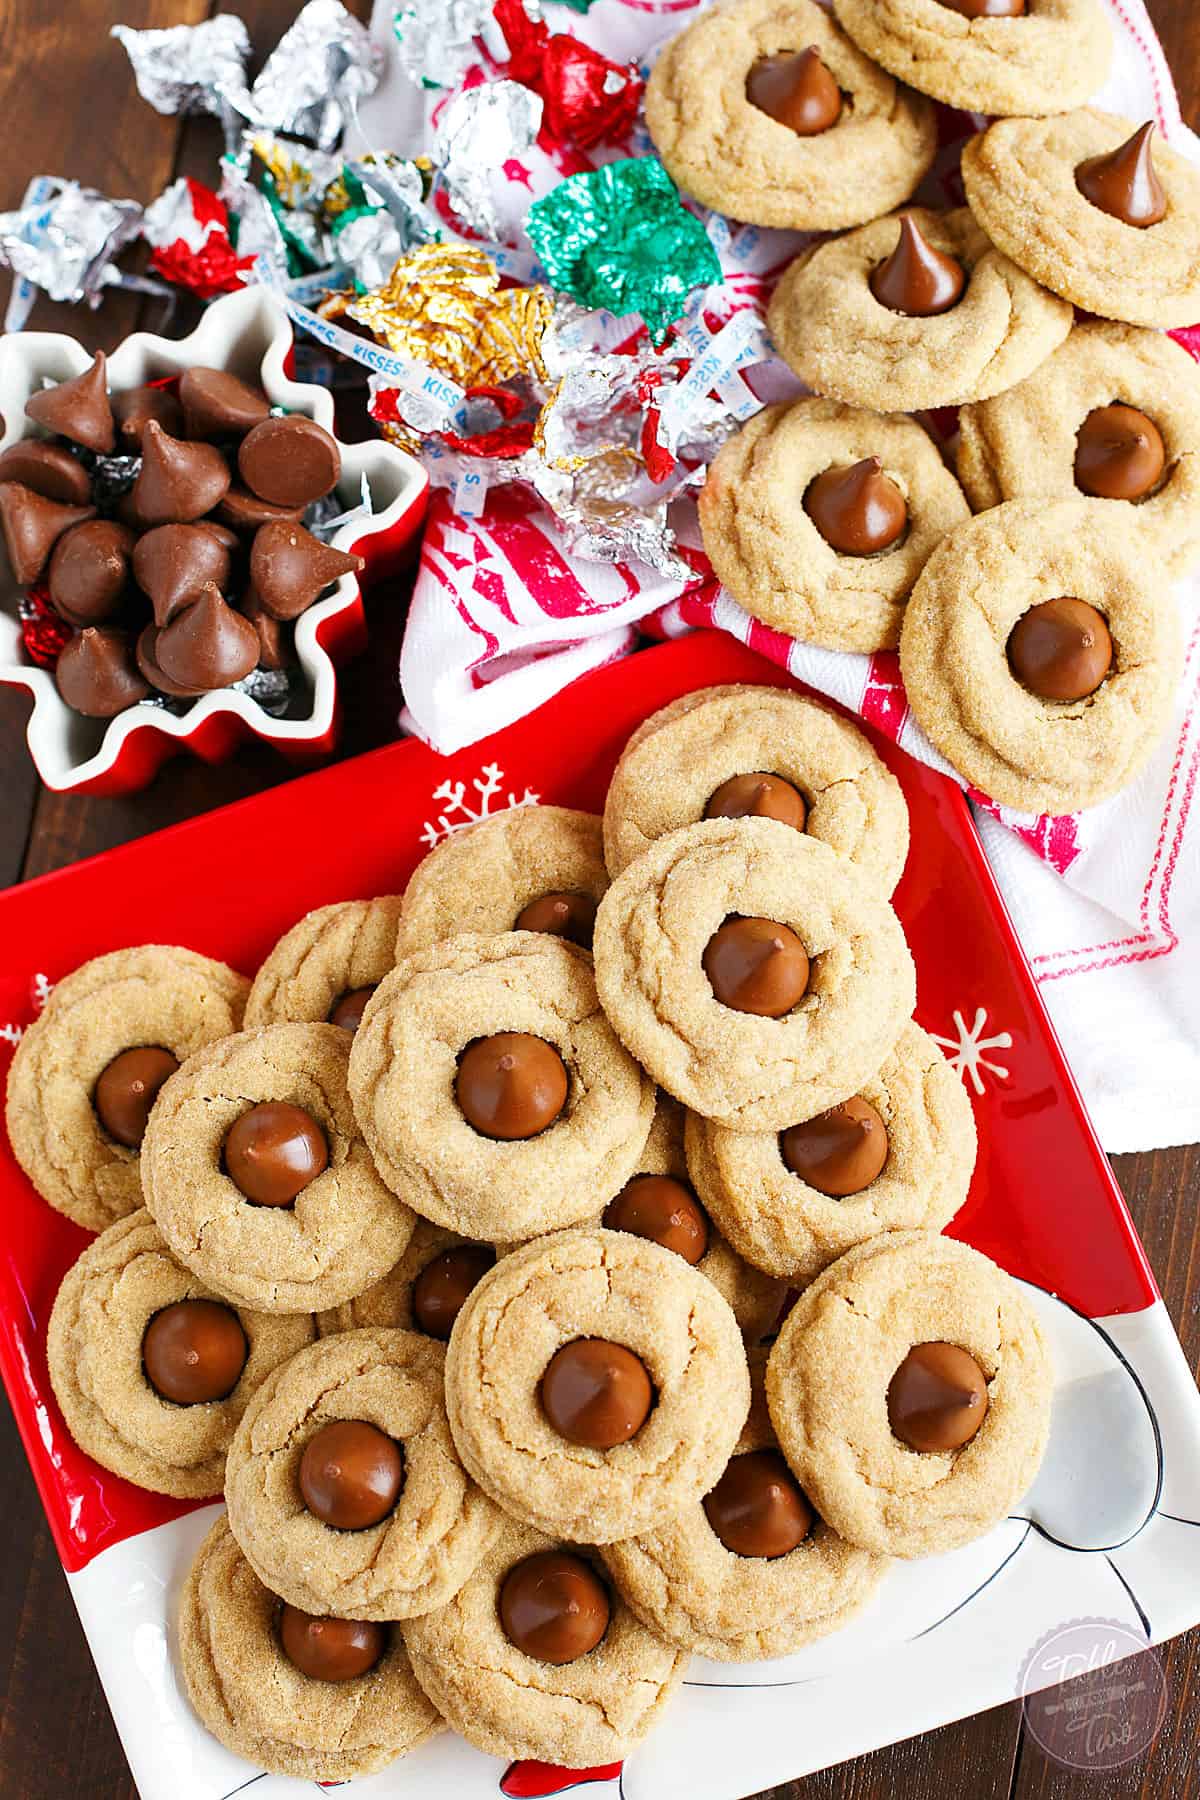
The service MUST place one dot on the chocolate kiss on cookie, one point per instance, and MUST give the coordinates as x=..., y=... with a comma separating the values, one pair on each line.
x=219, y=405
x=49, y=469
x=89, y=570
x=938, y=1398
x=1124, y=182
x=1119, y=453
x=857, y=510
x=78, y=409
x=96, y=674
x=134, y=409
x=1061, y=649
x=32, y=525
x=207, y=645
x=987, y=9
x=796, y=91
x=916, y=278
x=175, y=564
x=289, y=567
x=178, y=480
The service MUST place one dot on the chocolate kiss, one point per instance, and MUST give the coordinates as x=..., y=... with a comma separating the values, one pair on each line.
x=1124, y=183
x=218, y=405
x=244, y=511
x=134, y=409
x=917, y=279
x=857, y=510
x=78, y=409
x=32, y=525
x=48, y=469
x=175, y=564
x=178, y=481
x=148, y=663
x=289, y=567
x=987, y=9
x=797, y=91
x=96, y=676
x=207, y=645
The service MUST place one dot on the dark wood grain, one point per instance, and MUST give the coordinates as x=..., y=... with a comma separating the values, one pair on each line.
x=69, y=107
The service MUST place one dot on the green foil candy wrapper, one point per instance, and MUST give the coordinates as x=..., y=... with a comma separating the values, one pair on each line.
x=618, y=237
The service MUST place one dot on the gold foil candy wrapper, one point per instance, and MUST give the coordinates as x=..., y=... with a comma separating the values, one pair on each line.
x=443, y=306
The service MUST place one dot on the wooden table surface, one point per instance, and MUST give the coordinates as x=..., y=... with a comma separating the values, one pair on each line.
x=70, y=108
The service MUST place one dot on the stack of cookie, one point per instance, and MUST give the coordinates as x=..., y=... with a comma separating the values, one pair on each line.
x=1039, y=644
x=456, y=1249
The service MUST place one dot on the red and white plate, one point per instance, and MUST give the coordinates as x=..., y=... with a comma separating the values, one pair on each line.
x=1111, y=1530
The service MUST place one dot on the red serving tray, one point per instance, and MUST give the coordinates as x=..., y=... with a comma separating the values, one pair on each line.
x=1043, y=1202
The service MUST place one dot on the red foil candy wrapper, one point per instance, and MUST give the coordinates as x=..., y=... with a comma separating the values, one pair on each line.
x=189, y=229
x=43, y=633
x=588, y=98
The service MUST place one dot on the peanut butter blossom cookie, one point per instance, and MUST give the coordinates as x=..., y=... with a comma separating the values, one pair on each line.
x=1114, y=413
x=151, y=1369
x=900, y=1153
x=757, y=752
x=768, y=112
x=836, y=570
x=423, y=1292
x=1041, y=651
x=537, y=1656
x=327, y=966
x=988, y=56
x=759, y=976
x=258, y=1177
x=87, y=1072
x=344, y=1488
x=534, y=868
x=492, y=1090
x=749, y=1571
x=658, y=1202
x=910, y=1388
x=595, y=1383
x=915, y=311
x=315, y=1698
x=1095, y=210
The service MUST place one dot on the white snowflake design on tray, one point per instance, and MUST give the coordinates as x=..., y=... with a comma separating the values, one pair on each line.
x=40, y=992
x=459, y=811
x=966, y=1049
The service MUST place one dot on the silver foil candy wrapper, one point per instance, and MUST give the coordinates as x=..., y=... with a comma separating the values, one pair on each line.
x=397, y=185
x=64, y=238
x=479, y=130
x=436, y=38
x=192, y=68
x=369, y=245
x=321, y=67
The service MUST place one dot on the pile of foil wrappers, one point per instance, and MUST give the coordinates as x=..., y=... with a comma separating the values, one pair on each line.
x=594, y=353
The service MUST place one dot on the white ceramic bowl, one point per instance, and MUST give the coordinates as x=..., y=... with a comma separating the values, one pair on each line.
x=250, y=334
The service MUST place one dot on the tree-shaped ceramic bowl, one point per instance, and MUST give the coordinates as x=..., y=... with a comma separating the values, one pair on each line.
x=250, y=334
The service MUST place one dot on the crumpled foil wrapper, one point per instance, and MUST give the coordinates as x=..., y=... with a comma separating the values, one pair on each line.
x=479, y=130
x=436, y=38
x=65, y=238
x=619, y=237
x=192, y=68
x=443, y=306
x=113, y=476
x=321, y=67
